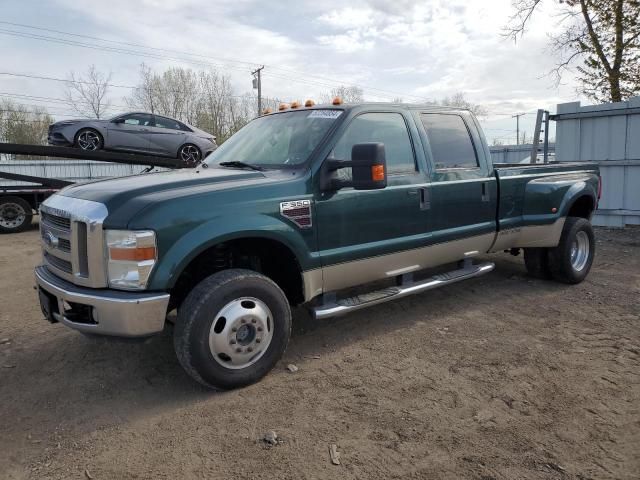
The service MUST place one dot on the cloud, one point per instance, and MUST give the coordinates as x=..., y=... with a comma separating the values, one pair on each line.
x=412, y=49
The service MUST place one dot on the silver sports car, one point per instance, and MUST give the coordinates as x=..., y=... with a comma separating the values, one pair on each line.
x=136, y=132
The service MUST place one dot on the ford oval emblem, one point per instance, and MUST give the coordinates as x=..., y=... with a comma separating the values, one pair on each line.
x=51, y=240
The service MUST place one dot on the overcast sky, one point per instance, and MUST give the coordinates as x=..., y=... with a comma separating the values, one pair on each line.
x=391, y=48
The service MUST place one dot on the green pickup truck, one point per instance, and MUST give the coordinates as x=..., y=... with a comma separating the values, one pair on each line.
x=332, y=207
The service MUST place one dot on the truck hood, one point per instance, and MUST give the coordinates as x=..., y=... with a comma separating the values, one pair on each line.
x=144, y=188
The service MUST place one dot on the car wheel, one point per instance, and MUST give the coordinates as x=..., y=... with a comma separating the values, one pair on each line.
x=89, y=140
x=15, y=215
x=190, y=155
x=571, y=260
x=232, y=329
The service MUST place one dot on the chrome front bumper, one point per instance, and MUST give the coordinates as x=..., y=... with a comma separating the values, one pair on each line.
x=101, y=312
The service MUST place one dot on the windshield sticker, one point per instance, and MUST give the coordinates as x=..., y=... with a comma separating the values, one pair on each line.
x=332, y=114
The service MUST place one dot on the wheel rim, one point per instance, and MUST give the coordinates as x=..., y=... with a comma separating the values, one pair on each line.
x=89, y=140
x=190, y=154
x=580, y=251
x=12, y=215
x=241, y=333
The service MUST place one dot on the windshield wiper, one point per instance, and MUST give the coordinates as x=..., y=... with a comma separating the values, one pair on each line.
x=238, y=164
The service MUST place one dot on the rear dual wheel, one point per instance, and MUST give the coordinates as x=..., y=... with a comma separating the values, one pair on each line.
x=571, y=260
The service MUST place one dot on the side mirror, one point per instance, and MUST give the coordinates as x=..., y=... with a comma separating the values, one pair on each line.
x=368, y=169
x=118, y=120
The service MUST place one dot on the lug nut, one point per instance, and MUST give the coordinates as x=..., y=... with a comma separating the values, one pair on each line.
x=258, y=340
x=259, y=329
x=253, y=320
x=234, y=329
x=232, y=342
x=243, y=321
x=249, y=349
x=239, y=350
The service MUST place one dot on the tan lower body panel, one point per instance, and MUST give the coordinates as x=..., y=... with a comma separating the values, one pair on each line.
x=530, y=236
x=358, y=272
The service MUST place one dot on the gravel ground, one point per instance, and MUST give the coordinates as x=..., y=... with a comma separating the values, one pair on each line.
x=501, y=377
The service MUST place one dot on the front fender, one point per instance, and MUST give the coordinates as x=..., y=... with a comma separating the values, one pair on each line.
x=225, y=228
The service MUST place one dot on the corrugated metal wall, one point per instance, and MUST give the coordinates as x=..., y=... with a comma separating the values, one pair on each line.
x=608, y=134
x=71, y=170
x=517, y=153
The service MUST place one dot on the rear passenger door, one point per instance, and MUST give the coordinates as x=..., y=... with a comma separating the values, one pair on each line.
x=166, y=136
x=464, y=189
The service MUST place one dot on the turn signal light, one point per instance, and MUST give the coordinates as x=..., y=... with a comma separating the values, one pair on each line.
x=139, y=254
x=283, y=106
x=337, y=101
x=377, y=173
x=295, y=104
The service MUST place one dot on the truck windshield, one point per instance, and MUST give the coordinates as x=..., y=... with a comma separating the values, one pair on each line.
x=277, y=141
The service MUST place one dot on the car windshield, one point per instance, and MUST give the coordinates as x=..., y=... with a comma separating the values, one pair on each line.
x=276, y=141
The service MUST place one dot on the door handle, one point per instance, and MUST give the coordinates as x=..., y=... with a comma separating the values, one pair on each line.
x=425, y=198
x=485, y=191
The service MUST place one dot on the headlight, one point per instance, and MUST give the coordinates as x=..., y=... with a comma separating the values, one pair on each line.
x=130, y=258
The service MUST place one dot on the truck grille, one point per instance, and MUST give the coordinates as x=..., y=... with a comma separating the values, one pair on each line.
x=58, y=263
x=56, y=221
x=72, y=243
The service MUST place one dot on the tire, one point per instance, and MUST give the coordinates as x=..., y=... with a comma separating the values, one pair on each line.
x=258, y=325
x=89, y=140
x=15, y=215
x=190, y=155
x=571, y=260
x=537, y=262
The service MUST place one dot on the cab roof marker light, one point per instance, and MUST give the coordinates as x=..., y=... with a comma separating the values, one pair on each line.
x=309, y=103
x=267, y=111
x=295, y=104
x=283, y=106
x=337, y=101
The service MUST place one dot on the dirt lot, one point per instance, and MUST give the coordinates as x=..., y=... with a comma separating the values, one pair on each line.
x=502, y=377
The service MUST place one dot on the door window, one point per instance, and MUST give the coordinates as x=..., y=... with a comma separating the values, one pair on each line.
x=388, y=128
x=450, y=142
x=163, y=122
x=141, y=119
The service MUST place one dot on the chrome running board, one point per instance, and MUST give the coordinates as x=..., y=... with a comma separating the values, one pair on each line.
x=346, y=305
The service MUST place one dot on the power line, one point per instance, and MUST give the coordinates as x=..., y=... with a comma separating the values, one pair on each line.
x=164, y=57
x=336, y=82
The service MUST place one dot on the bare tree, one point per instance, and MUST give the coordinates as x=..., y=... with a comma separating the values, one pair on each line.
x=600, y=37
x=204, y=99
x=458, y=100
x=19, y=124
x=87, y=94
x=143, y=96
x=348, y=94
x=174, y=92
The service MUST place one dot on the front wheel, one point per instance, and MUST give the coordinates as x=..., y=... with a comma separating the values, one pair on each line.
x=15, y=215
x=571, y=260
x=232, y=329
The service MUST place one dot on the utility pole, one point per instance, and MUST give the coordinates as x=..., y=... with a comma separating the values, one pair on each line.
x=257, y=84
x=517, y=117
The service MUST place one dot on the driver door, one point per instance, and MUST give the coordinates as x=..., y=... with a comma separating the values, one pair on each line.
x=359, y=229
x=130, y=133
